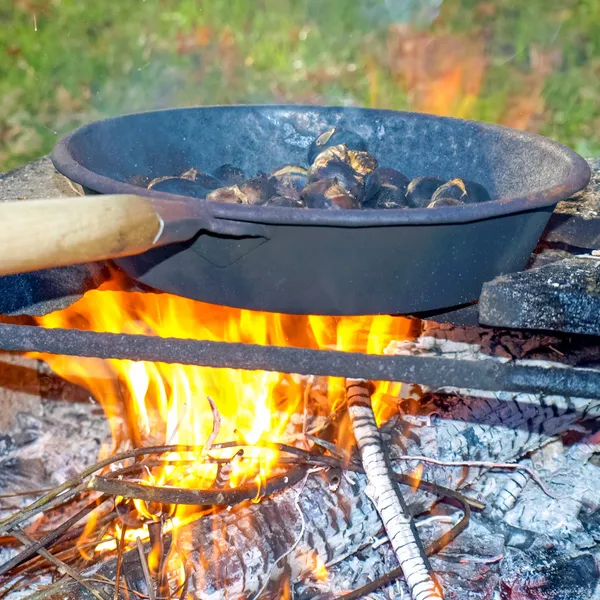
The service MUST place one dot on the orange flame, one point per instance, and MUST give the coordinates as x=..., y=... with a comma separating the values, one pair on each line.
x=417, y=475
x=156, y=403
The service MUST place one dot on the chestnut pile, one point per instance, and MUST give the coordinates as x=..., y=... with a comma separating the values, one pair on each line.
x=341, y=175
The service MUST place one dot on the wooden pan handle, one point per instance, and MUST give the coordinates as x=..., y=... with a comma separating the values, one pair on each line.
x=38, y=234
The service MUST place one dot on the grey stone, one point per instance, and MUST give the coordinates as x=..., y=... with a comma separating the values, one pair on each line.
x=562, y=296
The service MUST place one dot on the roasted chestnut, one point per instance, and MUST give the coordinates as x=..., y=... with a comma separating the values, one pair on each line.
x=349, y=167
x=182, y=187
x=289, y=181
x=285, y=202
x=328, y=193
x=258, y=189
x=386, y=188
x=420, y=190
x=334, y=137
x=443, y=201
x=201, y=178
x=229, y=174
x=455, y=188
x=475, y=192
x=228, y=195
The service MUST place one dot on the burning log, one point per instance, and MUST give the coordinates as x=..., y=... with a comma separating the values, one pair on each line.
x=385, y=496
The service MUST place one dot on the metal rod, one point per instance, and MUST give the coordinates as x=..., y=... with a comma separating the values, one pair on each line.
x=435, y=372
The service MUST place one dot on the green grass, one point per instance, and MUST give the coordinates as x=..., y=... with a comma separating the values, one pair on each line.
x=91, y=59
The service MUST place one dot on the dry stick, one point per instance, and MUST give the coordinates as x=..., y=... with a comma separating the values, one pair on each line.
x=385, y=495
x=120, y=550
x=216, y=426
x=145, y=569
x=59, y=564
x=48, y=539
x=484, y=465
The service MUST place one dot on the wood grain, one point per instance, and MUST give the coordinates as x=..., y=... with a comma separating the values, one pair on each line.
x=38, y=234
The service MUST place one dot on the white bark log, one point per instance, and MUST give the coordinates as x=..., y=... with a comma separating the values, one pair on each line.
x=384, y=494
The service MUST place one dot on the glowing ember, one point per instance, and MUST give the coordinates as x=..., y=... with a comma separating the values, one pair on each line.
x=156, y=403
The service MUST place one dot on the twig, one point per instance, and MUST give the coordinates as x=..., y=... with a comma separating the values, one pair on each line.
x=484, y=465
x=297, y=540
x=59, y=564
x=120, y=550
x=432, y=549
x=47, y=540
x=386, y=496
x=176, y=495
x=145, y=569
x=27, y=493
x=216, y=426
x=186, y=582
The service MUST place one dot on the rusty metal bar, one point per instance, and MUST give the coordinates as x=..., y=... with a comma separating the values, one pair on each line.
x=432, y=371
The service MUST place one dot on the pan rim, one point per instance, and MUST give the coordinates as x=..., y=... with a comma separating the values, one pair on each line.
x=578, y=177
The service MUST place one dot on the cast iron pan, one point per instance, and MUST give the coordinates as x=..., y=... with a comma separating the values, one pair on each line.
x=313, y=261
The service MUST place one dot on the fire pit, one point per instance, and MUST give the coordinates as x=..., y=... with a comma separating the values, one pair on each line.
x=491, y=437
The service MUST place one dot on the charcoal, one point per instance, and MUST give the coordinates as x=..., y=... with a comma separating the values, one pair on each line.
x=182, y=187
x=420, y=190
x=443, y=201
x=455, y=189
x=333, y=137
x=229, y=174
x=561, y=296
x=540, y=575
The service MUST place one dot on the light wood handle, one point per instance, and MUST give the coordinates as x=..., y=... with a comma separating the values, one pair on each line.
x=38, y=234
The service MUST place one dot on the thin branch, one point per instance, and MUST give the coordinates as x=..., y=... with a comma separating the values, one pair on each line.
x=484, y=465
x=175, y=495
x=385, y=495
x=47, y=540
x=145, y=569
x=432, y=549
x=216, y=425
x=59, y=564
x=120, y=551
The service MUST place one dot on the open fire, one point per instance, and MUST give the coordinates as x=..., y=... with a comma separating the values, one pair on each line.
x=149, y=404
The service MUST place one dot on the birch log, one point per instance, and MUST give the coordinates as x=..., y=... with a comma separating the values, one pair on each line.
x=384, y=493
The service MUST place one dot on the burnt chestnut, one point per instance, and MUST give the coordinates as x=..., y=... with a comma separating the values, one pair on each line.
x=228, y=195
x=328, y=193
x=182, y=187
x=289, y=181
x=334, y=137
x=258, y=189
x=420, y=190
x=455, y=188
x=476, y=192
x=201, y=178
x=443, y=201
x=285, y=202
x=229, y=174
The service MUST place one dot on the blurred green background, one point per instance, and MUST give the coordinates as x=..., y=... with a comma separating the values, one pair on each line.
x=531, y=64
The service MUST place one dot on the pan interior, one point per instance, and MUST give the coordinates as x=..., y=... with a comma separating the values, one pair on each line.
x=509, y=163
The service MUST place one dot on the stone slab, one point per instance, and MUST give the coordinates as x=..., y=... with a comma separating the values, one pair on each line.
x=562, y=296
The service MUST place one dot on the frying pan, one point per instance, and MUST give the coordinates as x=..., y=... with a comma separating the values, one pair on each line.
x=292, y=260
